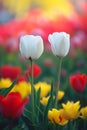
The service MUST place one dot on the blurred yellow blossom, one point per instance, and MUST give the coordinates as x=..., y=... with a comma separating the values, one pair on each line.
x=63, y=7
x=60, y=95
x=18, y=7
x=45, y=88
x=23, y=88
x=83, y=112
x=5, y=83
x=56, y=116
x=44, y=100
x=71, y=110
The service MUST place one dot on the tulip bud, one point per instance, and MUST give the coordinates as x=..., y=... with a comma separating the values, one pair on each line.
x=31, y=47
x=60, y=43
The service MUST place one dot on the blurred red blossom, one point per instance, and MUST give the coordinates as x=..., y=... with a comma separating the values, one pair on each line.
x=8, y=71
x=36, y=71
x=22, y=78
x=36, y=22
x=12, y=45
x=78, y=82
x=12, y=106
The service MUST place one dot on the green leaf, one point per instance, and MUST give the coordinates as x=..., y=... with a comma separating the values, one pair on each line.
x=5, y=91
x=50, y=102
x=49, y=106
x=28, y=114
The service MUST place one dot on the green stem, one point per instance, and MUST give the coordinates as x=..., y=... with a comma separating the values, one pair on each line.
x=32, y=90
x=58, y=87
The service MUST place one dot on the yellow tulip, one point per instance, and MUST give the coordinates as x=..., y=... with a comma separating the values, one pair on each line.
x=44, y=100
x=56, y=116
x=60, y=95
x=5, y=83
x=83, y=112
x=71, y=110
x=23, y=88
x=45, y=88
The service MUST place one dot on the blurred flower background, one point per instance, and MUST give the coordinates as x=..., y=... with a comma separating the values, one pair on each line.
x=43, y=17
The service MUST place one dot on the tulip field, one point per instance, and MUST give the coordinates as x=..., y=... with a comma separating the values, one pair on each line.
x=43, y=65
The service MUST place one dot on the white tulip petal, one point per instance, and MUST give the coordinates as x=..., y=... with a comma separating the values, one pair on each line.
x=40, y=47
x=34, y=48
x=22, y=47
x=60, y=43
x=25, y=48
x=29, y=46
x=52, y=42
x=57, y=37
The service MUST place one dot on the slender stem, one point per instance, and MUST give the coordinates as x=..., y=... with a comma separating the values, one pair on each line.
x=32, y=90
x=58, y=87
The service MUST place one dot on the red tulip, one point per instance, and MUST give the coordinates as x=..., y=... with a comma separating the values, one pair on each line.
x=8, y=71
x=78, y=82
x=12, y=106
x=36, y=69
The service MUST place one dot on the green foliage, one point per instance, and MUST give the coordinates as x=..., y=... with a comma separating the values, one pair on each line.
x=70, y=66
x=5, y=91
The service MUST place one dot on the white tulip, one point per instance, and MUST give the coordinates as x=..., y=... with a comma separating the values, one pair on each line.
x=31, y=47
x=60, y=43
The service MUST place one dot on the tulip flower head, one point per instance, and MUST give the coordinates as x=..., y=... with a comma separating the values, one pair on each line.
x=60, y=43
x=11, y=72
x=12, y=106
x=31, y=47
x=5, y=83
x=45, y=88
x=60, y=95
x=83, y=112
x=71, y=110
x=23, y=87
x=44, y=100
x=78, y=82
x=56, y=116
